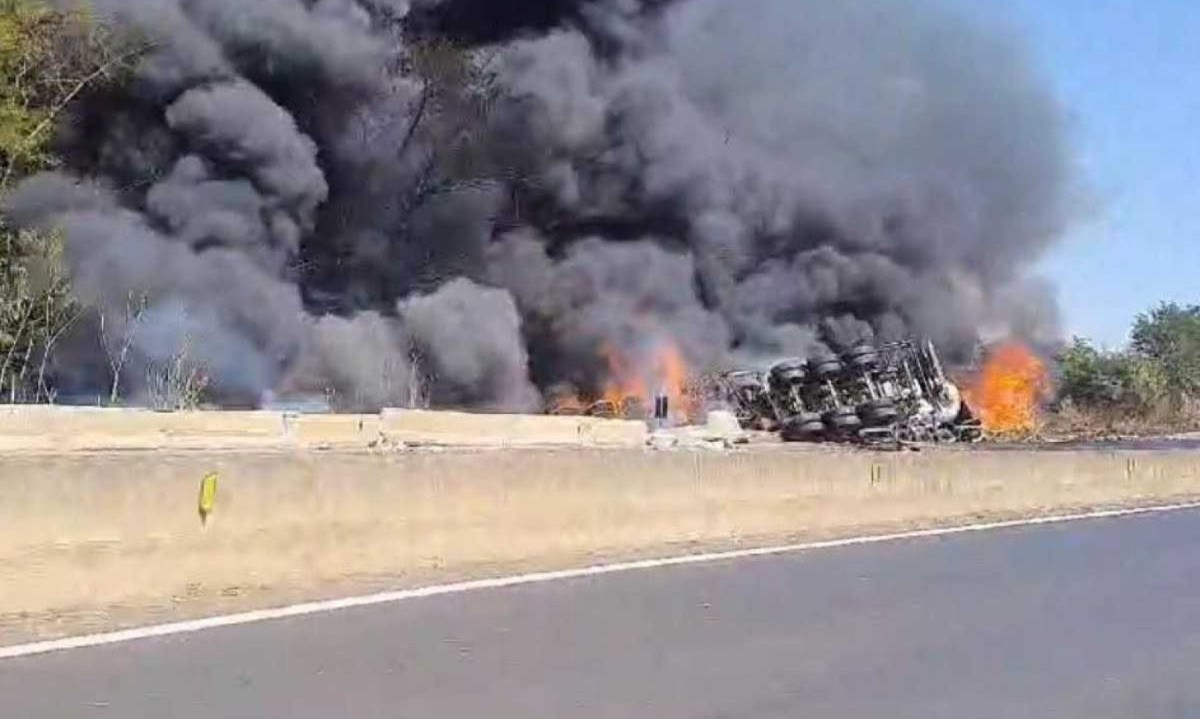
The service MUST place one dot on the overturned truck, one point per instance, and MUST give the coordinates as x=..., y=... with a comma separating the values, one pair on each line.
x=891, y=393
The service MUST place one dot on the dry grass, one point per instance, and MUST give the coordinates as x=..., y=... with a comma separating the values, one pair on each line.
x=1100, y=423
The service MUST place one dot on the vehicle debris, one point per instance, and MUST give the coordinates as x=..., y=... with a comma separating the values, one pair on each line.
x=890, y=394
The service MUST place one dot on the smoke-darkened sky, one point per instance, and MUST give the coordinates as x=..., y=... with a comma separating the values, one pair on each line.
x=744, y=180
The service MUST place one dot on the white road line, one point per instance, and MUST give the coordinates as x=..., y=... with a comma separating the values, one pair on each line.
x=371, y=600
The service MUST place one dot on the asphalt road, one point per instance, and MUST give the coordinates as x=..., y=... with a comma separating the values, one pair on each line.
x=1090, y=620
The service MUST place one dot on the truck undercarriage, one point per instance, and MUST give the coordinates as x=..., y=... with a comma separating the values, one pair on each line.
x=886, y=394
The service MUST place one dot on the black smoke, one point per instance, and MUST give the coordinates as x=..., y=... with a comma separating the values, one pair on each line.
x=494, y=21
x=472, y=200
x=490, y=21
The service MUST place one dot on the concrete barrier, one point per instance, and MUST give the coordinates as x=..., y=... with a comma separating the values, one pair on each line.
x=71, y=429
x=457, y=428
x=332, y=431
x=67, y=429
x=82, y=534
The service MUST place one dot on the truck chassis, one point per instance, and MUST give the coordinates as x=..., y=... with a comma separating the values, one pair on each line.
x=891, y=394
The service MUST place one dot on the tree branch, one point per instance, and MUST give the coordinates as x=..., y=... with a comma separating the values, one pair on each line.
x=62, y=104
x=418, y=118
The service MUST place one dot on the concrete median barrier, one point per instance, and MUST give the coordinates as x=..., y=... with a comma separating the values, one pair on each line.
x=62, y=429
x=332, y=431
x=59, y=429
x=458, y=428
x=82, y=534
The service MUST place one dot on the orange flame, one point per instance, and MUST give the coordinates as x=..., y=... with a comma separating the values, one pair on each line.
x=634, y=380
x=663, y=371
x=625, y=383
x=675, y=381
x=1010, y=390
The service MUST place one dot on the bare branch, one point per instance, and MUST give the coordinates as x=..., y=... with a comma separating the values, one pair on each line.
x=42, y=389
x=12, y=350
x=417, y=118
x=118, y=357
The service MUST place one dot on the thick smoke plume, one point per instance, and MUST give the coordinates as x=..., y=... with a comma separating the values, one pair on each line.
x=467, y=201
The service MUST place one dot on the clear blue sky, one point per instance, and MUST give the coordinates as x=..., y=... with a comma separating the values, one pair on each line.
x=1128, y=71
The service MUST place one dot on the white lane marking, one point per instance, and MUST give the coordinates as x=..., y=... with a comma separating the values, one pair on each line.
x=371, y=600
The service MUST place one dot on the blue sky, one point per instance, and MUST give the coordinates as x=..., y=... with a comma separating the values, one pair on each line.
x=1128, y=72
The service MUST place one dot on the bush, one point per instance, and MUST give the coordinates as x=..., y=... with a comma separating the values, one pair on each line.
x=1168, y=337
x=1093, y=377
x=1157, y=379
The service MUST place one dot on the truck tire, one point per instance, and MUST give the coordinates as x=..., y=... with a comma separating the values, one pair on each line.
x=844, y=421
x=807, y=418
x=864, y=362
x=863, y=357
x=826, y=368
x=803, y=428
x=879, y=413
x=791, y=372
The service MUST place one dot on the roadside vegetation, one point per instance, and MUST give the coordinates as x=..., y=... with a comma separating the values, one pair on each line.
x=49, y=58
x=1150, y=387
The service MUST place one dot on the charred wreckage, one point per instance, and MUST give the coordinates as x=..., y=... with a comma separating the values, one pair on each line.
x=891, y=393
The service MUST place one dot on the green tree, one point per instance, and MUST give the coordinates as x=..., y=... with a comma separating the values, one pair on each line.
x=1169, y=337
x=18, y=119
x=48, y=58
x=1091, y=376
x=1111, y=380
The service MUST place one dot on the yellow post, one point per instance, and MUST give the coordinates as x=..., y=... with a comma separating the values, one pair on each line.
x=208, y=496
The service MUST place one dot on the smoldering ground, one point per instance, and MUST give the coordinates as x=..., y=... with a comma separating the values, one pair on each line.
x=344, y=195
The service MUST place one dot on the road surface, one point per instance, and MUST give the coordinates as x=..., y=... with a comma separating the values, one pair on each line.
x=1091, y=620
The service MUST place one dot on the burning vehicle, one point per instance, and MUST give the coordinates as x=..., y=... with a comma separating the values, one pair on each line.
x=871, y=394
x=891, y=393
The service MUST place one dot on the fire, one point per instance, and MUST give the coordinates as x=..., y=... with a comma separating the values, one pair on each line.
x=625, y=384
x=660, y=372
x=1008, y=393
x=634, y=380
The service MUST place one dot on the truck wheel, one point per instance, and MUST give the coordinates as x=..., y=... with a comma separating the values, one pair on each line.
x=864, y=363
x=827, y=368
x=803, y=428
x=791, y=372
x=844, y=421
x=810, y=418
x=880, y=412
x=863, y=357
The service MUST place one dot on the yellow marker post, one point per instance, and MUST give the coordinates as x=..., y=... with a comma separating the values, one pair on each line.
x=208, y=496
x=876, y=474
